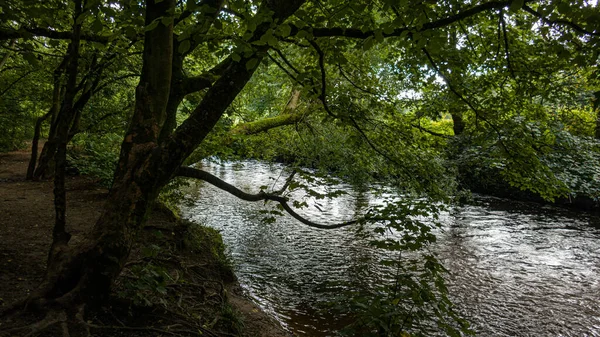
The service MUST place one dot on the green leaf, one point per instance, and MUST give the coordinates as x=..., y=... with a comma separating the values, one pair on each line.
x=515, y=5
x=388, y=29
x=285, y=30
x=151, y=26
x=166, y=20
x=184, y=47
x=368, y=43
x=379, y=35
x=564, y=8
x=81, y=18
x=272, y=41
x=191, y=5
x=303, y=34
x=54, y=43
x=31, y=59
x=236, y=57
x=252, y=63
x=218, y=24
x=97, y=26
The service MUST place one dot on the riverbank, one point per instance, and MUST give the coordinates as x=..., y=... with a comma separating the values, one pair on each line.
x=178, y=281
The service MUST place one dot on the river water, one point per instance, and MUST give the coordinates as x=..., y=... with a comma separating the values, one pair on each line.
x=516, y=269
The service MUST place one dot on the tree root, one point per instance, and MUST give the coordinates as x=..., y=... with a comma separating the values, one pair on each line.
x=62, y=313
x=178, y=333
x=52, y=318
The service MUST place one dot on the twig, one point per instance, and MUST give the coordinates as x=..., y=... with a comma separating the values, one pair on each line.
x=506, y=48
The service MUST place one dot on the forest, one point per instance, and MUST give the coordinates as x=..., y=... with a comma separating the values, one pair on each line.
x=435, y=99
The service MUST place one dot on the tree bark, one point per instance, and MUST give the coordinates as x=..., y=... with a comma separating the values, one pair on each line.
x=596, y=107
x=60, y=237
x=35, y=144
x=289, y=116
x=88, y=87
x=56, y=93
x=458, y=125
x=84, y=275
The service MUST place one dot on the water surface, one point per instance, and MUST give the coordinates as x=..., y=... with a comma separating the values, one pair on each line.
x=516, y=269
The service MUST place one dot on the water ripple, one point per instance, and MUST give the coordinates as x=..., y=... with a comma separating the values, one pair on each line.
x=516, y=269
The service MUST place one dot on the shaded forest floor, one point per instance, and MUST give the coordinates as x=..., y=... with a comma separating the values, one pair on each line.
x=177, y=283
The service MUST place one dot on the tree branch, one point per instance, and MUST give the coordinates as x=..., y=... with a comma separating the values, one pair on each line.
x=194, y=84
x=27, y=32
x=506, y=46
x=190, y=172
x=559, y=22
x=361, y=34
x=323, y=94
x=433, y=133
x=278, y=64
x=466, y=101
x=5, y=90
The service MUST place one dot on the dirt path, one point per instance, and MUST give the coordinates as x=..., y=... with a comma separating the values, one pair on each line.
x=26, y=220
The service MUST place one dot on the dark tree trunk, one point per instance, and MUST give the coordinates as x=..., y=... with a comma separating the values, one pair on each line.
x=596, y=107
x=84, y=275
x=89, y=271
x=458, y=125
x=56, y=94
x=46, y=160
x=35, y=144
x=60, y=237
x=46, y=163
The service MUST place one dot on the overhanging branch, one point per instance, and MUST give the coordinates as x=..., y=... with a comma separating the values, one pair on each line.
x=27, y=32
x=363, y=34
x=190, y=172
x=559, y=22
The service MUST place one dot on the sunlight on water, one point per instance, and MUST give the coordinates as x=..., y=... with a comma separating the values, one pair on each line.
x=516, y=269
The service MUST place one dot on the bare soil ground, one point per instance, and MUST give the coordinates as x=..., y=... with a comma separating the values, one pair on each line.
x=26, y=220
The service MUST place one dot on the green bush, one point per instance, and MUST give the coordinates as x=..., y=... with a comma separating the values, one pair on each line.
x=95, y=155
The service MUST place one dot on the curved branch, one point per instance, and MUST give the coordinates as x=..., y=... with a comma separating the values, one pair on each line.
x=190, y=172
x=559, y=22
x=362, y=34
x=323, y=94
x=433, y=133
x=203, y=81
x=5, y=90
x=287, y=72
x=466, y=101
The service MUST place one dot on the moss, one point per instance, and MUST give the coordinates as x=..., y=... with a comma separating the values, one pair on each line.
x=208, y=243
x=180, y=268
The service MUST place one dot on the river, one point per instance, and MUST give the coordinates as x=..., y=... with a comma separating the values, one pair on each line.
x=515, y=269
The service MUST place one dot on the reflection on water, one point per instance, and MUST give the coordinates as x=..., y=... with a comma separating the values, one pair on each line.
x=516, y=269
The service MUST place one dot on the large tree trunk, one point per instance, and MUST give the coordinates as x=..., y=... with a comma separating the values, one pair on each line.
x=84, y=275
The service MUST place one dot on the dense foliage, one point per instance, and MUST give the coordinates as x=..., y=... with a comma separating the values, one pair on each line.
x=432, y=97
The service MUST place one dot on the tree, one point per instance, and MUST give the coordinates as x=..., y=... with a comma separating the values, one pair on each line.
x=224, y=44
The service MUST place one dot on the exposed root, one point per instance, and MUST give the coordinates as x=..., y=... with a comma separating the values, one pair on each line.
x=53, y=317
x=178, y=332
x=79, y=316
x=33, y=300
